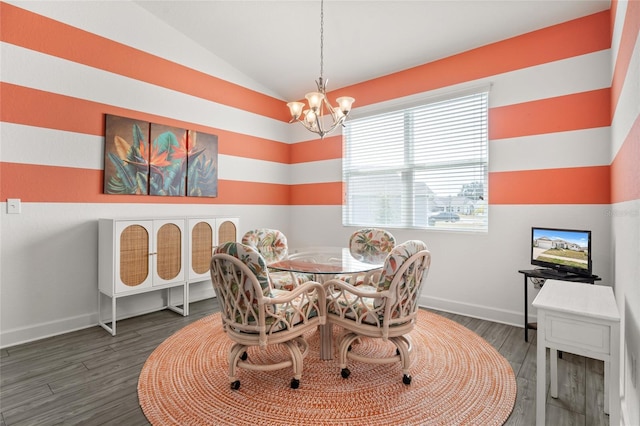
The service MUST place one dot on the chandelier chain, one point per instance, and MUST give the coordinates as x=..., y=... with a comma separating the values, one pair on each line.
x=321, y=38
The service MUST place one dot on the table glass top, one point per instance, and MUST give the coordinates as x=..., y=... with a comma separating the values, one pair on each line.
x=323, y=260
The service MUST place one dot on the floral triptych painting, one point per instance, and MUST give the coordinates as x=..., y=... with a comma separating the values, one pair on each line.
x=154, y=159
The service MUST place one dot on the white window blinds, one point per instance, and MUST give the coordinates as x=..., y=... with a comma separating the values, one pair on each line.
x=421, y=167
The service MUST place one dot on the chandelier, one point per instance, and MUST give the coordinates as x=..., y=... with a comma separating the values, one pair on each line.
x=313, y=117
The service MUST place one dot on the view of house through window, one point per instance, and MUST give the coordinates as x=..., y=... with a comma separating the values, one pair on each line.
x=421, y=167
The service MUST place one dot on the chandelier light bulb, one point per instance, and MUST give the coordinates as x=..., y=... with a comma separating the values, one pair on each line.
x=315, y=100
x=296, y=109
x=344, y=103
x=310, y=117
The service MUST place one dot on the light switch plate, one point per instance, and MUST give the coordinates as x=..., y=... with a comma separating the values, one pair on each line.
x=14, y=206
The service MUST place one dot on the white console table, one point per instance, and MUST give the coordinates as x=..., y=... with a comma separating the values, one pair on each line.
x=584, y=320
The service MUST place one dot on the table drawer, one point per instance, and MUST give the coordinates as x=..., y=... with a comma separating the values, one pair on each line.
x=582, y=334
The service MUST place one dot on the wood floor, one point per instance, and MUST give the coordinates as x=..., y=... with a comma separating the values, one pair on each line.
x=89, y=377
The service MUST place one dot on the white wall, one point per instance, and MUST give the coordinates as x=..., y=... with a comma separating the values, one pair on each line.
x=625, y=221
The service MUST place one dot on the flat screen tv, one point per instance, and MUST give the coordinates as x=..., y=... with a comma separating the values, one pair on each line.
x=561, y=250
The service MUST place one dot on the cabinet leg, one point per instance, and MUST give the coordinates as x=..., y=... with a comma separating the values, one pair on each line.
x=113, y=316
x=553, y=358
x=607, y=389
x=185, y=306
x=541, y=386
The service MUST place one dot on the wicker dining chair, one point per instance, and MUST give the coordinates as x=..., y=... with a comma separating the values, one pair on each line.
x=272, y=245
x=369, y=245
x=389, y=313
x=256, y=314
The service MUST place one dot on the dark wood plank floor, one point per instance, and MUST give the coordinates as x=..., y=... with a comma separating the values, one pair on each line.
x=89, y=377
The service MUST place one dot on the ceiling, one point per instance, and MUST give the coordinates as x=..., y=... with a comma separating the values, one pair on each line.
x=277, y=43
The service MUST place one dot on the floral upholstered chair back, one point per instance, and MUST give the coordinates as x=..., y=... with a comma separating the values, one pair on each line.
x=239, y=290
x=371, y=245
x=403, y=273
x=270, y=243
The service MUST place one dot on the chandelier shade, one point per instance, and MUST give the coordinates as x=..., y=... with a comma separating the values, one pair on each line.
x=320, y=116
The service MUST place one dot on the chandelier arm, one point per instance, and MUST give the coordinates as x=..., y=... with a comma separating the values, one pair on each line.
x=333, y=126
x=329, y=108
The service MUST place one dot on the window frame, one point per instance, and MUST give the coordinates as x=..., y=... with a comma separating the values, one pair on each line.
x=477, y=220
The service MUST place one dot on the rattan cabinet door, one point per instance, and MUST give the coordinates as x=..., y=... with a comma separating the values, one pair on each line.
x=204, y=234
x=227, y=229
x=168, y=251
x=132, y=256
x=202, y=240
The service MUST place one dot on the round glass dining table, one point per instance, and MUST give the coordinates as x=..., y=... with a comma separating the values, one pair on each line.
x=323, y=261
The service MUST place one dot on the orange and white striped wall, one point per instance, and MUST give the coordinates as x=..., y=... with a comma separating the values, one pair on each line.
x=563, y=133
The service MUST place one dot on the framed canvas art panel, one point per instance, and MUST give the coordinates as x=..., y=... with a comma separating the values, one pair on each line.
x=168, y=160
x=202, y=165
x=126, y=165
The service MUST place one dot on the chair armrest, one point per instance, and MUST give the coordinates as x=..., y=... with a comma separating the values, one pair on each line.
x=306, y=297
x=372, y=277
x=289, y=295
x=341, y=285
x=355, y=303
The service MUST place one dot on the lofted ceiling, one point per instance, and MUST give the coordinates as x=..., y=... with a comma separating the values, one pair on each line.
x=277, y=43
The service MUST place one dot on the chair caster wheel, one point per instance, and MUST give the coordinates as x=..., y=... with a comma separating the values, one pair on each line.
x=235, y=385
x=295, y=383
x=244, y=356
x=345, y=373
x=406, y=379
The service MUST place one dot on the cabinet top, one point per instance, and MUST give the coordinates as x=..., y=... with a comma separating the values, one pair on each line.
x=203, y=217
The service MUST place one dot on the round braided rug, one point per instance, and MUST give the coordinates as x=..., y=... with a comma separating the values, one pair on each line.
x=458, y=379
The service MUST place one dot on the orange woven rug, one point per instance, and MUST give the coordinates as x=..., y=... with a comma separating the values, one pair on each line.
x=458, y=379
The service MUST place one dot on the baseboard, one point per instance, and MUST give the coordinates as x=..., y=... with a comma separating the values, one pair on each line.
x=18, y=336
x=475, y=311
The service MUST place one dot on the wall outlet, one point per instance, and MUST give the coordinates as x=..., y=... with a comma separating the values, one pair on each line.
x=14, y=206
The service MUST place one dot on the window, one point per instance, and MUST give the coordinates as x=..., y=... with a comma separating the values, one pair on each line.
x=420, y=167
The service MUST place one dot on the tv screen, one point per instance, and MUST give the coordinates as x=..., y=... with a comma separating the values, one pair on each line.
x=563, y=250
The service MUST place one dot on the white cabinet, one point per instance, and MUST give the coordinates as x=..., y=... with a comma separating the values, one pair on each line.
x=141, y=255
x=205, y=233
x=137, y=256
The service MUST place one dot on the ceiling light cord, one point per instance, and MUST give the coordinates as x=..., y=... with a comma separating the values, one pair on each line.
x=321, y=39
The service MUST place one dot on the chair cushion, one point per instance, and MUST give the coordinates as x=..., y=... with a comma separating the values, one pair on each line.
x=270, y=243
x=287, y=280
x=254, y=261
x=355, y=307
x=395, y=260
x=371, y=245
x=293, y=313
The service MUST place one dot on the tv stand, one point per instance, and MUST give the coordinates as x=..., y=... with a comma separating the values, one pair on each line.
x=548, y=274
x=553, y=272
